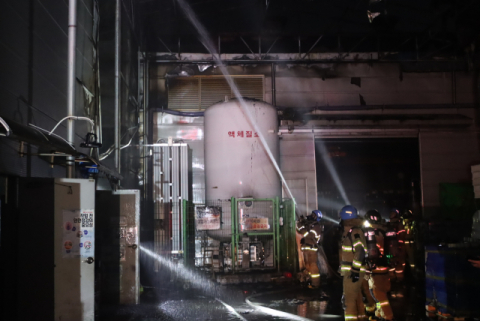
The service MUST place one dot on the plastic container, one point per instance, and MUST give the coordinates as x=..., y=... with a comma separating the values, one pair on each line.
x=451, y=281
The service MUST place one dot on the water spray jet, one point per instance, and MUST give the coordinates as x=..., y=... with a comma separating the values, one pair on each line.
x=208, y=44
x=332, y=171
x=196, y=280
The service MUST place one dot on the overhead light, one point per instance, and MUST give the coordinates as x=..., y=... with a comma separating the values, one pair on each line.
x=203, y=67
x=372, y=15
x=181, y=71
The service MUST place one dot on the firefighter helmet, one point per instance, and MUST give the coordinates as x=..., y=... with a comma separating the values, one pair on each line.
x=316, y=215
x=373, y=216
x=407, y=214
x=394, y=213
x=348, y=212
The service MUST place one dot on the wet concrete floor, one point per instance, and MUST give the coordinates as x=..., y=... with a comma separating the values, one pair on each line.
x=255, y=302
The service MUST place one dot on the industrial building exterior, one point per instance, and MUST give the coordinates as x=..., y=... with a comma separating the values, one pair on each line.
x=199, y=131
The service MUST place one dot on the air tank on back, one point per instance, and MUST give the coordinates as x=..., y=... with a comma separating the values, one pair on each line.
x=236, y=163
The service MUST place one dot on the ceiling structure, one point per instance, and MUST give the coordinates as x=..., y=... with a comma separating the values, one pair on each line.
x=407, y=29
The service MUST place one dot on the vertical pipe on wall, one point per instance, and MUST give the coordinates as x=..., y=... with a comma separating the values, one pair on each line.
x=274, y=102
x=307, y=212
x=454, y=88
x=299, y=47
x=260, y=47
x=72, y=40
x=146, y=121
x=118, y=9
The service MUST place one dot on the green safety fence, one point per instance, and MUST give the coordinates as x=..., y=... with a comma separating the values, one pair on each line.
x=288, y=243
x=281, y=214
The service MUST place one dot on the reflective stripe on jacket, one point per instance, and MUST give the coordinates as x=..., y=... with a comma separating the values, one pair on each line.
x=353, y=246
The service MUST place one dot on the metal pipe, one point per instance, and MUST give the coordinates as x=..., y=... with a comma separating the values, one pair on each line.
x=72, y=41
x=146, y=124
x=71, y=118
x=182, y=113
x=354, y=47
x=99, y=129
x=260, y=47
x=246, y=44
x=416, y=48
x=179, y=51
x=313, y=46
x=118, y=9
x=454, y=88
x=112, y=148
x=299, y=47
x=98, y=118
x=287, y=61
x=270, y=48
x=163, y=43
x=274, y=99
x=7, y=128
x=306, y=194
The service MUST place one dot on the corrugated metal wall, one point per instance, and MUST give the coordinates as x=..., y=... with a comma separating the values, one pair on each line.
x=33, y=77
x=130, y=103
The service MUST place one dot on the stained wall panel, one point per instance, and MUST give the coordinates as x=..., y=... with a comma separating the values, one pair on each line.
x=33, y=60
x=445, y=157
x=297, y=163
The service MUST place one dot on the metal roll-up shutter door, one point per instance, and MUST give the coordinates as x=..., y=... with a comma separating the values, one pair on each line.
x=250, y=87
x=184, y=93
x=214, y=90
x=198, y=93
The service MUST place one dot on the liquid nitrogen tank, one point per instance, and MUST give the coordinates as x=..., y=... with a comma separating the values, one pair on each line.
x=236, y=163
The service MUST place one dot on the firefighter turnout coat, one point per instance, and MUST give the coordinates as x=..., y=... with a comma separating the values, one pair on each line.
x=352, y=262
x=312, y=236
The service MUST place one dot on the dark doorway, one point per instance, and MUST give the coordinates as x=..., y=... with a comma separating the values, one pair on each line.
x=375, y=173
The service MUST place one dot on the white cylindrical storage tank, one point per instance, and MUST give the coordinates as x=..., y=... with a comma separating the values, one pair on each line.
x=236, y=162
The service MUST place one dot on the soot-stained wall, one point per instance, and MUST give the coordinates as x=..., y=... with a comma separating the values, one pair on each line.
x=33, y=77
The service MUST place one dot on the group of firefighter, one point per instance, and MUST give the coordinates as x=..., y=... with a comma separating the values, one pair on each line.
x=372, y=255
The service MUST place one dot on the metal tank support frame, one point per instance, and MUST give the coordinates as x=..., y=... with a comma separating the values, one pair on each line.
x=282, y=235
x=236, y=234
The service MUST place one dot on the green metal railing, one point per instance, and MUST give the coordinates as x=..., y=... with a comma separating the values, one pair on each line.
x=234, y=224
x=188, y=233
x=236, y=234
x=282, y=236
x=289, y=253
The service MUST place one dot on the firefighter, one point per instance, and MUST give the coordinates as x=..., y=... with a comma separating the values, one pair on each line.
x=409, y=225
x=379, y=281
x=370, y=303
x=311, y=230
x=396, y=246
x=352, y=263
